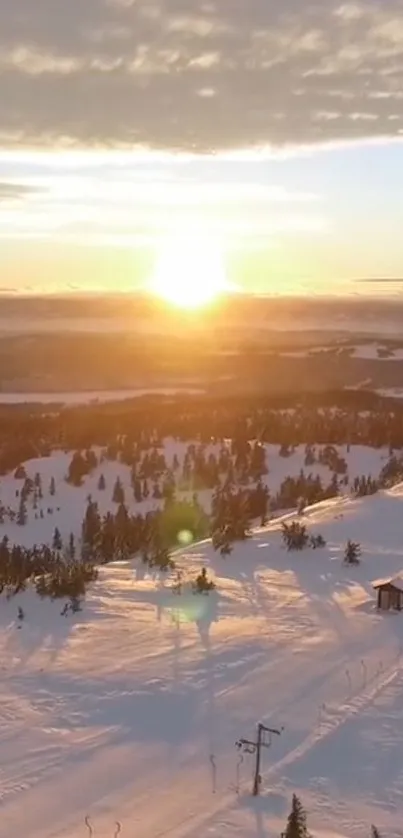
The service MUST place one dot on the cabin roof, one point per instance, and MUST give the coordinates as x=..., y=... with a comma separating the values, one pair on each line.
x=393, y=581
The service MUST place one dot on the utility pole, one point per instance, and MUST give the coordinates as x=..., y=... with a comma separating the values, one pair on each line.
x=249, y=747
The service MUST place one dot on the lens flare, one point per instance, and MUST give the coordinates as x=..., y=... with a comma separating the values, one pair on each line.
x=185, y=537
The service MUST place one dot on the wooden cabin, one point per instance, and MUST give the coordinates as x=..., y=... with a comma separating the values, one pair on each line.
x=389, y=593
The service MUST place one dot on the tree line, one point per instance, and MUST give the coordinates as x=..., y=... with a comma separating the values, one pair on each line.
x=338, y=418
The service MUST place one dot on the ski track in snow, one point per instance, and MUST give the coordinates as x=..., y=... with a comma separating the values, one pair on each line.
x=114, y=713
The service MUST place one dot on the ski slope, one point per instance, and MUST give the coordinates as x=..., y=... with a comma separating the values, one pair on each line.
x=115, y=713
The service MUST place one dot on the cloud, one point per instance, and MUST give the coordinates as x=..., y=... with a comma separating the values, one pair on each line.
x=199, y=75
x=137, y=207
x=382, y=280
x=15, y=191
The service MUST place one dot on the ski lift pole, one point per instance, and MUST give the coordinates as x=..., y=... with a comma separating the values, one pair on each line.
x=250, y=747
x=257, y=777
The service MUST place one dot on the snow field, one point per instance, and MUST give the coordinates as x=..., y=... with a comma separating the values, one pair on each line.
x=115, y=712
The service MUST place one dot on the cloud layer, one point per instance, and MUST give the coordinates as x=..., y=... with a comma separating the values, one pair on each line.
x=199, y=75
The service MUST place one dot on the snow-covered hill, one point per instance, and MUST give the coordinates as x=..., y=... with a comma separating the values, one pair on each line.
x=65, y=509
x=130, y=709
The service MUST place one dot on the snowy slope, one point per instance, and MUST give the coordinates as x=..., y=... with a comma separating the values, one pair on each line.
x=114, y=713
x=66, y=509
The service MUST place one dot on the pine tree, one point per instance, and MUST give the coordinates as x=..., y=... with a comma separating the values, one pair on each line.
x=203, y=585
x=91, y=529
x=295, y=535
x=108, y=539
x=296, y=823
x=138, y=494
x=102, y=483
x=22, y=513
x=352, y=552
x=28, y=488
x=375, y=832
x=78, y=468
x=52, y=486
x=118, y=492
x=72, y=546
x=57, y=542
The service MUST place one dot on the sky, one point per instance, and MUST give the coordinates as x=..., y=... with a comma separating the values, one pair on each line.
x=262, y=139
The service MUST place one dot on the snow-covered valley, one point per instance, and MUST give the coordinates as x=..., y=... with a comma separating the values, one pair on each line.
x=130, y=709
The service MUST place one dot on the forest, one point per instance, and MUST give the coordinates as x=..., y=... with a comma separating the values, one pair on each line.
x=134, y=434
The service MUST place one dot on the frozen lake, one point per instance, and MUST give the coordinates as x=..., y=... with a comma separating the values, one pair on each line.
x=93, y=396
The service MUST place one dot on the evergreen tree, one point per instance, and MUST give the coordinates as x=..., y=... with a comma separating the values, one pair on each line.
x=137, y=491
x=352, y=553
x=301, y=506
x=102, y=483
x=296, y=823
x=22, y=513
x=161, y=559
x=52, y=486
x=57, y=542
x=78, y=468
x=295, y=535
x=72, y=546
x=375, y=832
x=118, y=492
x=91, y=529
x=133, y=476
x=309, y=456
x=108, y=539
x=27, y=488
x=203, y=585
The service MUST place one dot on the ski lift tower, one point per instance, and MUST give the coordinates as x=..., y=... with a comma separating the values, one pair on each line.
x=263, y=740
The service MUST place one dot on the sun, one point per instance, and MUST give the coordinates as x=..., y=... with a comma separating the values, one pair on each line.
x=190, y=272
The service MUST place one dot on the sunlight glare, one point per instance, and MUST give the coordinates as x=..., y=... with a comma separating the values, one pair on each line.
x=190, y=272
